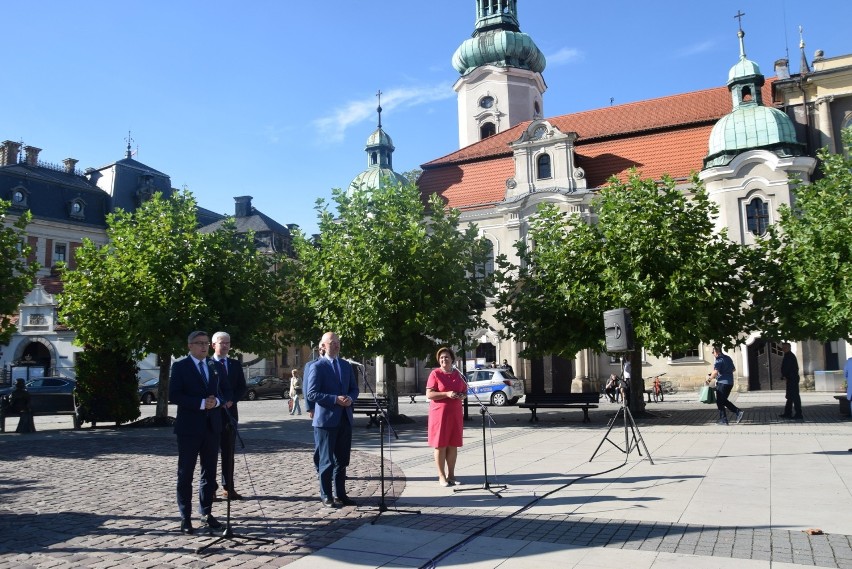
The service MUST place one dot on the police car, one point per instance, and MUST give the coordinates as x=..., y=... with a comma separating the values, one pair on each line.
x=494, y=385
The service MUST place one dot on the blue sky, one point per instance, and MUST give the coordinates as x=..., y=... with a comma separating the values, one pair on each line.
x=275, y=99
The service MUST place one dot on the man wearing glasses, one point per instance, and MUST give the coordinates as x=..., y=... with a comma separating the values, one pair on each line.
x=194, y=384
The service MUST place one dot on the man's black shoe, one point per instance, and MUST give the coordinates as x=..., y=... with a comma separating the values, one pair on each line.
x=798, y=418
x=785, y=416
x=345, y=501
x=327, y=502
x=210, y=522
x=186, y=527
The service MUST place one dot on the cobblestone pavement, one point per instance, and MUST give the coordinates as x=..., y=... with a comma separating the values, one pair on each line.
x=105, y=497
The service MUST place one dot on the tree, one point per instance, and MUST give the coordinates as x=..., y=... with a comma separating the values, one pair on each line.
x=389, y=277
x=16, y=275
x=159, y=278
x=807, y=292
x=653, y=250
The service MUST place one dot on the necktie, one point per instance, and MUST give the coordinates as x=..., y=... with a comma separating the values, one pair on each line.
x=225, y=364
x=337, y=372
x=203, y=371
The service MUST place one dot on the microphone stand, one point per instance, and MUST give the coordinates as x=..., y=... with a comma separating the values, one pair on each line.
x=383, y=420
x=629, y=444
x=227, y=533
x=483, y=412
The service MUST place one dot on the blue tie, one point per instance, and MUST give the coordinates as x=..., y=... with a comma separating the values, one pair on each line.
x=337, y=372
x=203, y=371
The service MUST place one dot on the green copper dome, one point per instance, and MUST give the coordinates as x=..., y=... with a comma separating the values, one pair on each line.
x=498, y=40
x=751, y=125
x=375, y=178
x=503, y=48
x=379, y=149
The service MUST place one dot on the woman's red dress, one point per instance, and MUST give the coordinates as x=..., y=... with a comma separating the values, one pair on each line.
x=445, y=415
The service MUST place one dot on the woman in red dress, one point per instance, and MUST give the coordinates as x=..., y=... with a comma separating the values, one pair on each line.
x=445, y=390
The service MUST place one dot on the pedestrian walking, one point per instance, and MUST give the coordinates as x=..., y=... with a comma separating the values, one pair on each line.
x=723, y=373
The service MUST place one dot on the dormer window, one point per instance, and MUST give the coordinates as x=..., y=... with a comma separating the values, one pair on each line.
x=19, y=197
x=76, y=209
x=542, y=164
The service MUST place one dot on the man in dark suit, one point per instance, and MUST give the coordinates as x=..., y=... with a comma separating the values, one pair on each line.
x=232, y=370
x=194, y=383
x=330, y=388
x=790, y=373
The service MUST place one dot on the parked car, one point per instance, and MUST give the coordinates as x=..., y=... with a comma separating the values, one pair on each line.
x=497, y=386
x=148, y=391
x=266, y=386
x=49, y=394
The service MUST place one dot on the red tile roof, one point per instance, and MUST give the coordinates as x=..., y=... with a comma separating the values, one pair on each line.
x=668, y=135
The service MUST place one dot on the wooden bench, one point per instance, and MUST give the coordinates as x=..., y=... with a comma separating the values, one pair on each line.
x=7, y=412
x=584, y=401
x=366, y=406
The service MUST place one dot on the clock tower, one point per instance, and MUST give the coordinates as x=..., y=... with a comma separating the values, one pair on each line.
x=501, y=83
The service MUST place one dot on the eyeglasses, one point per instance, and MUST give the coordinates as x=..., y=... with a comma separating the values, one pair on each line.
x=200, y=343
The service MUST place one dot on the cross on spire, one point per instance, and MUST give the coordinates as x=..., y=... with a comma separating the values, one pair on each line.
x=379, y=109
x=739, y=17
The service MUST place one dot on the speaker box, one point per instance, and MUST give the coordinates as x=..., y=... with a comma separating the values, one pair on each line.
x=618, y=328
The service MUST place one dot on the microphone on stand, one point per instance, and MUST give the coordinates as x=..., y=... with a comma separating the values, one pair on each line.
x=353, y=362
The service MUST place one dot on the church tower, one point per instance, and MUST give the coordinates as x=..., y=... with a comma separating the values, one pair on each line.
x=501, y=83
x=379, y=149
x=752, y=153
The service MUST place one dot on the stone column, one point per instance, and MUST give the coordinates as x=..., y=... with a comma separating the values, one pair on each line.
x=825, y=124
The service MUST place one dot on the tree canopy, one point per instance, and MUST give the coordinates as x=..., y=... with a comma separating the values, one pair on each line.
x=158, y=278
x=807, y=290
x=389, y=276
x=652, y=248
x=16, y=275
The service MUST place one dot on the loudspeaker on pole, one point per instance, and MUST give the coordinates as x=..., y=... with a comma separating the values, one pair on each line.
x=618, y=330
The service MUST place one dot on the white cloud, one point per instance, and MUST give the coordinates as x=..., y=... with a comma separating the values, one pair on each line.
x=332, y=127
x=563, y=56
x=695, y=49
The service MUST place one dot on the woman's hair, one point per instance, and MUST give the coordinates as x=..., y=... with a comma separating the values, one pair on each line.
x=293, y=371
x=441, y=351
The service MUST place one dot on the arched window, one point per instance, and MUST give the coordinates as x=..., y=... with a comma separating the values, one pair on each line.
x=374, y=158
x=486, y=130
x=757, y=216
x=543, y=167
x=486, y=268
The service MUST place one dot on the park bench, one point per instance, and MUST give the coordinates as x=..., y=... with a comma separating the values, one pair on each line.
x=6, y=412
x=366, y=406
x=584, y=401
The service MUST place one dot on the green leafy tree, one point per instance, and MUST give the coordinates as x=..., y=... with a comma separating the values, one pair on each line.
x=807, y=291
x=390, y=277
x=159, y=278
x=16, y=275
x=653, y=250
x=107, y=386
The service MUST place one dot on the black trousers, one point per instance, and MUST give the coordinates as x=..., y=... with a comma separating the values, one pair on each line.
x=793, y=398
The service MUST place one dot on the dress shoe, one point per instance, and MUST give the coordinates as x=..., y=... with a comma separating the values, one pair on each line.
x=345, y=501
x=210, y=522
x=186, y=527
x=785, y=416
x=231, y=494
x=327, y=502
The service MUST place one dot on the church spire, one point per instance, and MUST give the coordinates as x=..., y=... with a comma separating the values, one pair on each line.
x=803, y=65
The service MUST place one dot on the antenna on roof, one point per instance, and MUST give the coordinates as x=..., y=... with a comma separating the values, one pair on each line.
x=611, y=101
x=379, y=108
x=129, y=153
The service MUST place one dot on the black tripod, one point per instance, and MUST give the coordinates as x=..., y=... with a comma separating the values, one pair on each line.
x=629, y=444
x=228, y=533
x=485, y=485
x=383, y=420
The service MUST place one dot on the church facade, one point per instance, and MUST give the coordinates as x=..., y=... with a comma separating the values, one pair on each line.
x=744, y=138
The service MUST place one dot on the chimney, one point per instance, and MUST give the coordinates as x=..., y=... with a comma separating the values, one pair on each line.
x=31, y=155
x=70, y=164
x=9, y=153
x=242, y=206
x=782, y=69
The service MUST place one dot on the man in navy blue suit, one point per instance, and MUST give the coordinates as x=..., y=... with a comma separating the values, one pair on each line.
x=194, y=384
x=330, y=387
x=233, y=370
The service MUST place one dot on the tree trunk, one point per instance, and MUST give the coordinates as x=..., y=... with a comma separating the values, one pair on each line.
x=163, y=387
x=391, y=390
